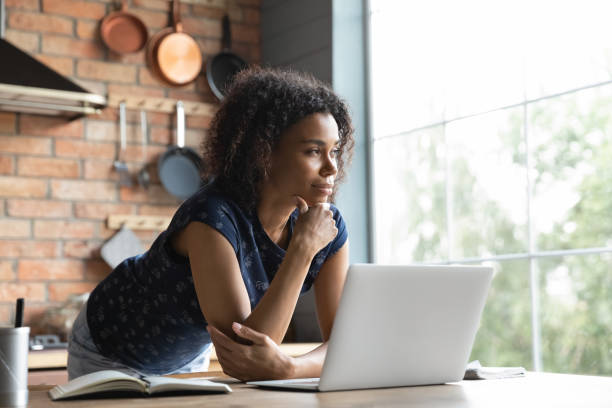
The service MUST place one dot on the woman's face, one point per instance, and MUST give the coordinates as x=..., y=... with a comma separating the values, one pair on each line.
x=304, y=162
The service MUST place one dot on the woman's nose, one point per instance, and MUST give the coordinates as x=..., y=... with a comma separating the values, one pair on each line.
x=330, y=167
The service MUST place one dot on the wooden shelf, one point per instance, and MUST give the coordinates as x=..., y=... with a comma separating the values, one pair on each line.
x=166, y=105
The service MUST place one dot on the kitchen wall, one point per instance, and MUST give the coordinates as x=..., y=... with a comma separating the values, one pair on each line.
x=57, y=184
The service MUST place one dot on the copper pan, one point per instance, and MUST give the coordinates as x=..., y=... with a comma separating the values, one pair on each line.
x=123, y=32
x=177, y=56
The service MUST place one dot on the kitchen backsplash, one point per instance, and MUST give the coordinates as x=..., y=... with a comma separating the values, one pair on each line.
x=57, y=182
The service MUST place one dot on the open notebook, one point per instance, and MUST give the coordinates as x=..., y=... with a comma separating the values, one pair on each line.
x=110, y=383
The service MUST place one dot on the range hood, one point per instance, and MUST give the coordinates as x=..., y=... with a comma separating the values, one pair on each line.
x=27, y=85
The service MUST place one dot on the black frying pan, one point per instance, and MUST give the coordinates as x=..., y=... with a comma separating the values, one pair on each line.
x=179, y=166
x=222, y=67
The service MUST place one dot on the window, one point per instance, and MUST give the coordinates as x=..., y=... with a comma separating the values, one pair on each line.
x=492, y=143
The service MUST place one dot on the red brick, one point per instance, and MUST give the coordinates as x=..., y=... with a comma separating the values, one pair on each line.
x=25, y=41
x=217, y=13
x=186, y=96
x=109, y=131
x=84, y=190
x=7, y=122
x=198, y=122
x=106, y=71
x=14, y=228
x=30, y=291
x=155, y=194
x=82, y=149
x=49, y=269
x=100, y=211
x=146, y=77
x=75, y=8
x=162, y=135
x=7, y=165
x=202, y=27
x=99, y=170
x=151, y=19
x=39, y=208
x=22, y=187
x=63, y=229
x=209, y=47
x=50, y=126
x=88, y=30
x=136, y=153
x=7, y=272
x=135, y=58
x=161, y=210
x=251, y=16
x=62, y=291
x=96, y=270
x=154, y=4
x=40, y=22
x=63, y=65
x=68, y=46
x=22, y=4
x=42, y=166
x=82, y=249
x=134, y=91
x=245, y=33
x=29, y=249
x=25, y=145
x=158, y=118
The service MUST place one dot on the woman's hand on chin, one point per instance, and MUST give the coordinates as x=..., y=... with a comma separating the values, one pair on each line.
x=260, y=360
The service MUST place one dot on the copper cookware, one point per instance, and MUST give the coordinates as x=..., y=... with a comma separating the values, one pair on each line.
x=123, y=32
x=174, y=55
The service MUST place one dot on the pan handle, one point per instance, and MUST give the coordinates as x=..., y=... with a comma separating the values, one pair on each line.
x=226, y=39
x=180, y=124
x=176, y=16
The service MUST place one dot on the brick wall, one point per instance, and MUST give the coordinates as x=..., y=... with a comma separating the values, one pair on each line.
x=57, y=185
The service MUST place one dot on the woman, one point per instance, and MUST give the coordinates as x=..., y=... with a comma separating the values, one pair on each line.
x=237, y=254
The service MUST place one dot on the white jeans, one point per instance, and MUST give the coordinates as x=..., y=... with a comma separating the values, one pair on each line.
x=84, y=357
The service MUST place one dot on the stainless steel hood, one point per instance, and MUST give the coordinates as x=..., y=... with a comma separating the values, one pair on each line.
x=27, y=85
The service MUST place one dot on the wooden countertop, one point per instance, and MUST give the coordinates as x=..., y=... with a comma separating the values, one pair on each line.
x=537, y=390
x=48, y=359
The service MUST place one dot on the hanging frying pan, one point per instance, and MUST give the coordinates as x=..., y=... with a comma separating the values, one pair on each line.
x=123, y=32
x=222, y=68
x=177, y=55
x=179, y=166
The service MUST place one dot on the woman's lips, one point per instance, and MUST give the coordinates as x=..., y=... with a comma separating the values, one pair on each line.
x=326, y=189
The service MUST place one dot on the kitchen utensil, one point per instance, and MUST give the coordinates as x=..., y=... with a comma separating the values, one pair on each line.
x=144, y=178
x=125, y=179
x=179, y=166
x=122, y=245
x=174, y=55
x=123, y=32
x=222, y=68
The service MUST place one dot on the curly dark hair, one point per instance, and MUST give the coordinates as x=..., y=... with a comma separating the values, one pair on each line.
x=261, y=103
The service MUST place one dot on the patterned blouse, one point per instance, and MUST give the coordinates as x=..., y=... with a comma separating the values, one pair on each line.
x=146, y=313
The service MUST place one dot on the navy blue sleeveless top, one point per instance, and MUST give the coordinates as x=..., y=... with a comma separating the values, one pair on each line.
x=146, y=313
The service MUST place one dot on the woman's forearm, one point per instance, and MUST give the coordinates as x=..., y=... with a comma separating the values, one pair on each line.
x=272, y=314
x=310, y=364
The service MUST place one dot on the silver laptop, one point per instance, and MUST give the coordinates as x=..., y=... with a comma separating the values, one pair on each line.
x=399, y=326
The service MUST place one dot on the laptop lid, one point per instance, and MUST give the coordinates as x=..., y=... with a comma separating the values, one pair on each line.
x=404, y=325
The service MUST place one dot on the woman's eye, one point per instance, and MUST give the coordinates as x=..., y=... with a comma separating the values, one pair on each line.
x=312, y=152
x=336, y=152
